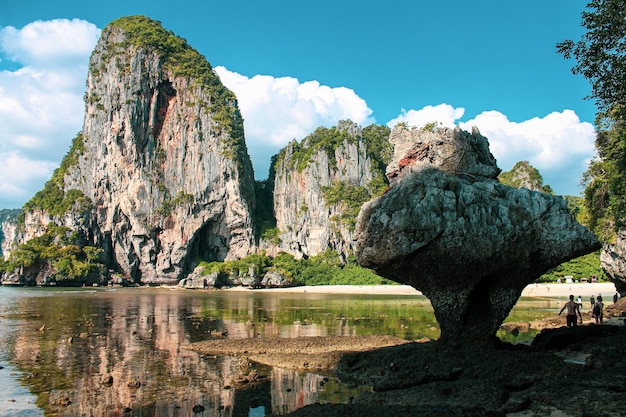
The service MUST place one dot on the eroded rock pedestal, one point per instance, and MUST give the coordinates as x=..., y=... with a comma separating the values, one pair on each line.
x=448, y=228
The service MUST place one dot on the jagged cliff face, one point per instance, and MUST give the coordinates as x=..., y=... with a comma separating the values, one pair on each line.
x=316, y=188
x=8, y=230
x=524, y=175
x=613, y=261
x=163, y=158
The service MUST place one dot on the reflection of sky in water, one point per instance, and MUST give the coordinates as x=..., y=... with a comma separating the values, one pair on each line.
x=257, y=412
x=58, y=343
x=15, y=400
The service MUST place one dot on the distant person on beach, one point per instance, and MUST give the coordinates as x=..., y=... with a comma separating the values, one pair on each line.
x=592, y=300
x=579, y=300
x=572, y=310
x=597, y=310
x=615, y=298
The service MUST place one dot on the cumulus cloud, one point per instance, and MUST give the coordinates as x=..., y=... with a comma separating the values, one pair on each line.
x=278, y=110
x=41, y=107
x=560, y=145
x=444, y=114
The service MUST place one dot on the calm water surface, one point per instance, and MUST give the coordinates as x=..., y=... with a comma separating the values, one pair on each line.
x=64, y=344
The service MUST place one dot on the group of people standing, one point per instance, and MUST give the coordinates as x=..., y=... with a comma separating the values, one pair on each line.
x=573, y=309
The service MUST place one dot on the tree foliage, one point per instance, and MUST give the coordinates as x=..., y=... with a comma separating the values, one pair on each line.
x=326, y=268
x=184, y=61
x=53, y=198
x=380, y=151
x=601, y=58
x=601, y=52
x=350, y=197
x=59, y=247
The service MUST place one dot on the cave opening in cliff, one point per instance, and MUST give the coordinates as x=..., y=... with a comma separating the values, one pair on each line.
x=206, y=245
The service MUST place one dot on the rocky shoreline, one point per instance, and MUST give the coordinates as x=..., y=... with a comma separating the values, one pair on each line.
x=565, y=372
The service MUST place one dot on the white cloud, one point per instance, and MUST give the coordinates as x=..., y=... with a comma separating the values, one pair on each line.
x=278, y=110
x=41, y=105
x=50, y=43
x=559, y=145
x=444, y=114
x=21, y=177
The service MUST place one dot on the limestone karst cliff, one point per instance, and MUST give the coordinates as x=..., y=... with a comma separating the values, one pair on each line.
x=8, y=226
x=321, y=183
x=161, y=172
x=524, y=175
x=613, y=261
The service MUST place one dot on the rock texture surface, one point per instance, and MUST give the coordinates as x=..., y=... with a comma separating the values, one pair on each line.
x=450, y=229
x=613, y=261
x=308, y=223
x=8, y=230
x=162, y=159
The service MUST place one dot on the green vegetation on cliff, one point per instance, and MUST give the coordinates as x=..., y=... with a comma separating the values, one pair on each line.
x=60, y=248
x=380, y=151
x=323, y=139
x=525, y=175
x=53, y=199
x=184, y=61
x=344, y=193
x=264, y=219
x=375, y=138
x=350, y=197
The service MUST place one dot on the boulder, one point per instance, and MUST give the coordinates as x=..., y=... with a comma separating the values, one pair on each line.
x=274, y=279
x=448, y=228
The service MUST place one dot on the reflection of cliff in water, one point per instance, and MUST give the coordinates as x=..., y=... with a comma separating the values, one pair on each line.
x=108, y=354
x=291, y=391
x=133, y=340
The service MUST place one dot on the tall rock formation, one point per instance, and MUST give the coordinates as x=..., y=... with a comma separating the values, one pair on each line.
x=8, y=229
x=613, y=261
x=161, y=162
x=525, y=175
x=450, y=229
x=321, y=183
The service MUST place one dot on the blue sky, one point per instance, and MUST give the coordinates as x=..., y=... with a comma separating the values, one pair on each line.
x=298, y=65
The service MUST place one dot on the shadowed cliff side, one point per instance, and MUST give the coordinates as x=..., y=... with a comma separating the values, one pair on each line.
x=613, y=261
x=448, y=228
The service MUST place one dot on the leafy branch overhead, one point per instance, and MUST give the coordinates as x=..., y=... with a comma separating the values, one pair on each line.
x=600, y=57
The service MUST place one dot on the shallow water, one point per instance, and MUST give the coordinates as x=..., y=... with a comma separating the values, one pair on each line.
x=60, y=344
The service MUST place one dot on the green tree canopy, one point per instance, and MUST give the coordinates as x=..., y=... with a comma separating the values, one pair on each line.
x=601, y=52
x=601, y=58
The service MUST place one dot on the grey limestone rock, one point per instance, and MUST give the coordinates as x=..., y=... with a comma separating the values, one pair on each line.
x=308, y=224
x=613, y=261
x=450, y=229
x=273, y=279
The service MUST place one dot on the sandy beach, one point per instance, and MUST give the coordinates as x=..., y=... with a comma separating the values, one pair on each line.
x=606, y=289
